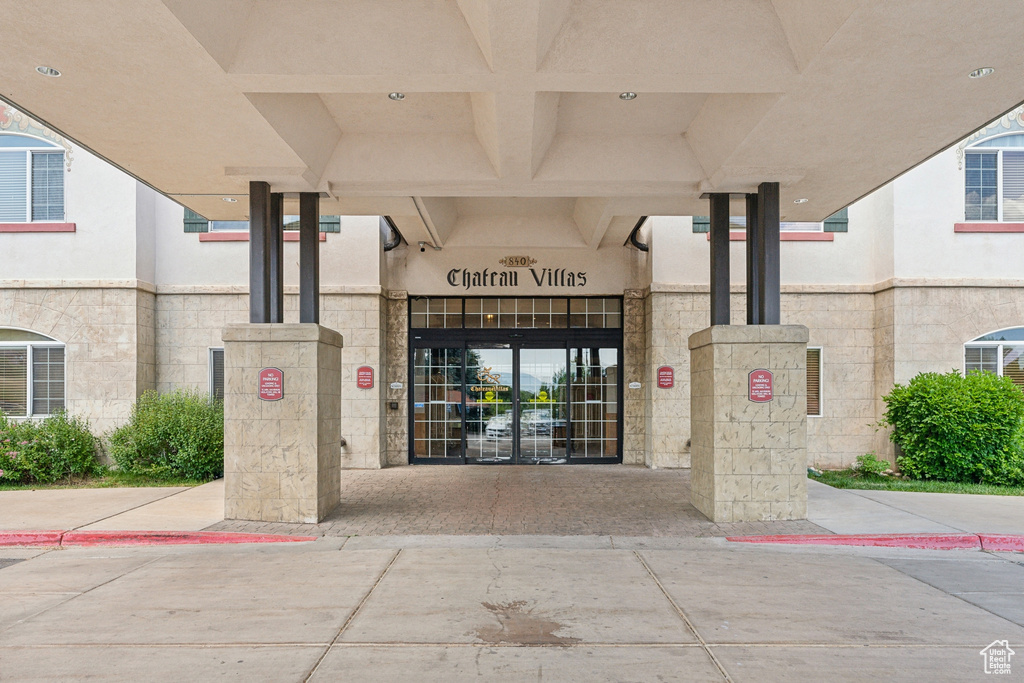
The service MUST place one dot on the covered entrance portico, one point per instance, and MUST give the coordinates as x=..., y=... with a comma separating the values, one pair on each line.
x=506, y=131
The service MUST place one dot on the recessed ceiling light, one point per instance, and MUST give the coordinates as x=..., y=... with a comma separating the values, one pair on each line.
x=982, y=72
x=802, y=200
x=397, y=96
x=48, y=71
x=627, y=96
x=229, y=199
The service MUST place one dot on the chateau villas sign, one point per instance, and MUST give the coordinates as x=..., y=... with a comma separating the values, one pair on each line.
x=466, y=278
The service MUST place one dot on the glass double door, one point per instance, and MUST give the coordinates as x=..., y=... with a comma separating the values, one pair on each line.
x=515, y=403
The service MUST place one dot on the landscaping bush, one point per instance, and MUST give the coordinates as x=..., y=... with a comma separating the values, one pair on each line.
x=60, y=447
x=175, y=435
x=961, y=429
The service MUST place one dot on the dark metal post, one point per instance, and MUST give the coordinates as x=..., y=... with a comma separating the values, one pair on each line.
x=755, y=239
x=259, y=257
x=275, y=253
x=768, y=255
x=309, y=257
x=719, y=259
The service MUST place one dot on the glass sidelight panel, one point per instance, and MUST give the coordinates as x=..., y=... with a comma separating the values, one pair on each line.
x=490, y=419
x=594, y=377
x=437, y=403
x=542, y=405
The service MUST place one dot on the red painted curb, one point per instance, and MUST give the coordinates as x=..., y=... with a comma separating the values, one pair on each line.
x=134, y=538
x=35, y=539
x=925, y=541
x=1002, y=542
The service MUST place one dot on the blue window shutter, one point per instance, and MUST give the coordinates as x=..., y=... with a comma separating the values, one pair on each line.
x=702, y=224
x=194, y=222
x=837, y=222
x=330, y=223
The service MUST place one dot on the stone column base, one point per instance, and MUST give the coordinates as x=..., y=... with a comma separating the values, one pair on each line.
x=282, y=458
x=749, y=459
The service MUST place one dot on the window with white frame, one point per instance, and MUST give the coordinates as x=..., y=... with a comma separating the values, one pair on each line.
x=31, y=374
x=31, y=179
x=994, y=179
x=1001, y=352
x=217, y=373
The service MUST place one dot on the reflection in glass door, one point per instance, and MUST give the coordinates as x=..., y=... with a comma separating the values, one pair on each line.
x=542, y=414
x=490, y=417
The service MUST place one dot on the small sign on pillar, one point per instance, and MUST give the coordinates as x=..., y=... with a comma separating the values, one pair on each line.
x=760, y=386
x=271, y=384
x=666, y=377
x=364, y=377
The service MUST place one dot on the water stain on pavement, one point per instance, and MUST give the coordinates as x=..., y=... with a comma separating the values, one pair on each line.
x=519, y=624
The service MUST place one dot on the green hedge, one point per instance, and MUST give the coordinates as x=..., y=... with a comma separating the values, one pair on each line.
x=58, y=448
x=175, y=435
x=961, y=429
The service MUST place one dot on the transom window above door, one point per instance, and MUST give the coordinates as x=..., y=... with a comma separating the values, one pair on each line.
x=515, y=312
x=31, y=179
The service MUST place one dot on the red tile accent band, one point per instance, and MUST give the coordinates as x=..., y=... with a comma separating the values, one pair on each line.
x=741, y=236
x=37, y=227
x=988, y=227
x=289, y=236
x=925, y=541
x=54, y=539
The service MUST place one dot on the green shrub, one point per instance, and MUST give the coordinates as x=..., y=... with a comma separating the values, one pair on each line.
x=870, y=464
x=59, y=447
x=175, y=435
x=956, y=428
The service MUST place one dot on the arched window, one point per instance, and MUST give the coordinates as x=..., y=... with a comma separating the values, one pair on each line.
x=1001, y=352
x=31, y=373
x=31, y=179
x=994, y=180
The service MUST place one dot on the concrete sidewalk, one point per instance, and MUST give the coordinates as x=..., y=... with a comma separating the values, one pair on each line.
x=435, y=608
x=628, y=502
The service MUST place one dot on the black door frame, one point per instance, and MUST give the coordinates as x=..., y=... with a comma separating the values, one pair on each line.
x=462, y=338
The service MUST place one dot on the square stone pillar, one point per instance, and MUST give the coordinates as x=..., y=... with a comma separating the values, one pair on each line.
x=749, y=452
x=282, y=456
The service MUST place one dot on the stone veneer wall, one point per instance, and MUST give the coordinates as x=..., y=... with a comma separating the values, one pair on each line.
x=397, y=370
x=634, y=352
x=923, y=329
x=843, y=324
x=107, y=348
x=188, y=325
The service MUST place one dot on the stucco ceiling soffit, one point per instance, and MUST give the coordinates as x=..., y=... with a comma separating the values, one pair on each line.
x=671, y=37
x=439, y=215
x=809, y=24
x=723, y=123
x=328, y=37
x=305, y=125
x=592, y=215
x=551, y=17
x=475, y=12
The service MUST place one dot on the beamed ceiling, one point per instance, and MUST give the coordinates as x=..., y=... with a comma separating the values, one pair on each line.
x=512, y=107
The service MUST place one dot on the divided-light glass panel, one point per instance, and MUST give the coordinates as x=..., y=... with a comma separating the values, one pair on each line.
x=13, y=188
x=437, y=403
x=47, y=186
x=981, y=186
x=595, y=313
x=594, y=406
x=47, y=380
x=981, y=359
x=1013, y=364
